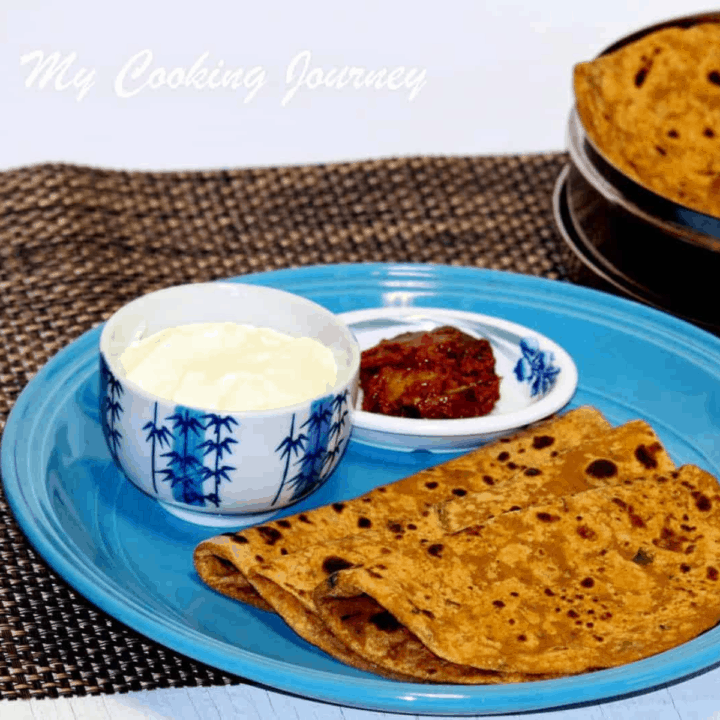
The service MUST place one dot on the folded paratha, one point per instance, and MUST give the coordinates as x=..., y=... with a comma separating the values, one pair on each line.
x=225, y=562
x=288, y=582
x=630, y=450
x=652, y=108
x=296, y=606
x=595, y=580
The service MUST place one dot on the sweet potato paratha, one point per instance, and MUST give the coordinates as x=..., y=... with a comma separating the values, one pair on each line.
x=652, y=108
x=624, y=452
x=415, y=663
x=566, y=560
x=602, y=578
x=288, y=583
x=225, y=562
x=630, y=450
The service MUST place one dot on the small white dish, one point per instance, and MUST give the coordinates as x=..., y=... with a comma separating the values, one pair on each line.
x=538, y=379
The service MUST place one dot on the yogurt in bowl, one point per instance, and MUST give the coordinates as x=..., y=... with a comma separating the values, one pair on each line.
x=228, y=366
x=204, y=454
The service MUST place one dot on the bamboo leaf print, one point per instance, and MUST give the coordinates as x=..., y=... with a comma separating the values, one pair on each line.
x=337, y=443
x=289, y=445
x=311, y=464
x=112, y=390
x=220, y=447
x=157, y=435
x=184, y=469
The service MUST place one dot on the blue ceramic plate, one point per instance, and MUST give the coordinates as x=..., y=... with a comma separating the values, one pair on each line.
x=122, y=551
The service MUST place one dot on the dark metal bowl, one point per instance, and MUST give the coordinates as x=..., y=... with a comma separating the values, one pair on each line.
x=611, y=250
x=667, y=216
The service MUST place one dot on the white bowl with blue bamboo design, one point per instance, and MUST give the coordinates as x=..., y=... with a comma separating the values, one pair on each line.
x=538, y=378
x=207, y=465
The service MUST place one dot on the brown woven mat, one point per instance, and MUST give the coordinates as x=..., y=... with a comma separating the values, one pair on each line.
x=76, y=243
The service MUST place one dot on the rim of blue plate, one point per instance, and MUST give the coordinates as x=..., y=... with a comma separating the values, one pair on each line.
x=377, y=693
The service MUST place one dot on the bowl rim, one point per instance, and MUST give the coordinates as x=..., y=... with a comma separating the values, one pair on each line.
x=579, y=245
x=631, y=196
x=119, y=372
x=683, y=21
x=553, y=401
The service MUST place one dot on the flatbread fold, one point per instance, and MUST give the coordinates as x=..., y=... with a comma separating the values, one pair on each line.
x=225, y=562
x=569, y=547
x=595, y=580
x=288, y=582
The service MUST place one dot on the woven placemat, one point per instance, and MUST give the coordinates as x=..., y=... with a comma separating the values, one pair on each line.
x=76, y=243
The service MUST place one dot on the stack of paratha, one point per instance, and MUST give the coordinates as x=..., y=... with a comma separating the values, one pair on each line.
x=652, y=108
x=569, y=547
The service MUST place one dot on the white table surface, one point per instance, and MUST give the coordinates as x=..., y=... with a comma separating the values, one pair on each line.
x=497, y=79
x=696, y=699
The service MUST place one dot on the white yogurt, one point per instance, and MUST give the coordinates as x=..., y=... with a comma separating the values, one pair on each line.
x=226, y=366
